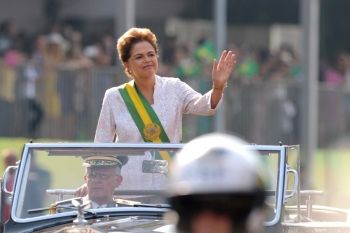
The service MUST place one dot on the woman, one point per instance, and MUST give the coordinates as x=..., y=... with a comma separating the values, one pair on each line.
x=149, y=108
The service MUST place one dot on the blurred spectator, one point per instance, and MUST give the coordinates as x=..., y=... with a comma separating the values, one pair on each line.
x=8, y=32
x=34, y=110
x=108, y=46
x=186, y=67
x=12, y=52
x=205, y=51
x=9, y=159
x=346, y=67
x=168, y=50
x=13, y=58
x=335, y=74
x=289, y=58
x=75, y=58
x=56, y=48
x=282, y=64
x=192, y=63
x=167, y=54
x=53, y=60
x=39, y=51
x=98, y=54
x=35, y=69
x=248, y=68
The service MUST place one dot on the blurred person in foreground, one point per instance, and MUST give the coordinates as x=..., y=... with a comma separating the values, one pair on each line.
x=149, y=108
x=217, y=186
x=102, y=177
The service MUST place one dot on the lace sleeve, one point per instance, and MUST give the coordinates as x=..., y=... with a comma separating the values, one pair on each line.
x=105, y=130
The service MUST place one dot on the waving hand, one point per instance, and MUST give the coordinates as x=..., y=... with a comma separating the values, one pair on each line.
x=222, y=69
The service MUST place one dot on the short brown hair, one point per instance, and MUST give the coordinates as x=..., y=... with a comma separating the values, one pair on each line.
x=131, y=37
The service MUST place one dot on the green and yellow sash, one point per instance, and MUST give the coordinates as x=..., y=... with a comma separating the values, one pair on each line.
x=144, y=116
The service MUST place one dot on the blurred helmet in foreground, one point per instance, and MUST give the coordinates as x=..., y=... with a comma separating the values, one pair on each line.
x=216, y=172
x=216, y=163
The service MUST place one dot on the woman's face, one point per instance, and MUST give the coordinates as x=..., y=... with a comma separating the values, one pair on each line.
x=143, y=61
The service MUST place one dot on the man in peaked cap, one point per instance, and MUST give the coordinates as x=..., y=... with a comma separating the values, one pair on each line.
x=102, y=177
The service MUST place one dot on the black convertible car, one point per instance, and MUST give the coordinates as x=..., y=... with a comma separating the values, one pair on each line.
x=44, y=197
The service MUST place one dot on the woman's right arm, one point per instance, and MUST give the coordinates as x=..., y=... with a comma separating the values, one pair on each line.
x=105, y=130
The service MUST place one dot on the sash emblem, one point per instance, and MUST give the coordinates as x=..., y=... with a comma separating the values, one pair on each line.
x=152, y=131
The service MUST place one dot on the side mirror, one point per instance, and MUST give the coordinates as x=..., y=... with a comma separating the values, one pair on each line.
x=9, y=179
x=155, y=166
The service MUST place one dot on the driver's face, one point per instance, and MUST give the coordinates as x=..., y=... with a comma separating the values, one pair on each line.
x=101, y=183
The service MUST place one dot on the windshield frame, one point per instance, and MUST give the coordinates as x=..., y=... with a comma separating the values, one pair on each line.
x=23, y=167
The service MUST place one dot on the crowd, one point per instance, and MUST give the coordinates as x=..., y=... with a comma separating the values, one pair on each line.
x=67, y=48
x=34, y=61
x=61, y=47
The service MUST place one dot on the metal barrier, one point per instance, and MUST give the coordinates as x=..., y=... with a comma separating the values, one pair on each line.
x=70, y=103
x=262, y=113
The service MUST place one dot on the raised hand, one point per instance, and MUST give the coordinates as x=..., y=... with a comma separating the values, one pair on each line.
x=222, y=69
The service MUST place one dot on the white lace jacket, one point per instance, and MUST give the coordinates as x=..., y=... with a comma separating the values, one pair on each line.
x=172, y=99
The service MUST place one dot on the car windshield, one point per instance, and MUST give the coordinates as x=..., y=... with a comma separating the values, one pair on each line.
x=49, y=176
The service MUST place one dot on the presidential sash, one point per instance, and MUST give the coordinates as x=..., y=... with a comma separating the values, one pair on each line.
x=144, y=116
